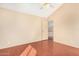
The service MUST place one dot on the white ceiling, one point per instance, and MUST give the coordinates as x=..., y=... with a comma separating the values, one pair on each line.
x=31, y=8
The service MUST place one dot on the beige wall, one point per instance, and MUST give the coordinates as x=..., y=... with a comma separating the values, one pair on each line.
x=17, y=28
x=66, y=24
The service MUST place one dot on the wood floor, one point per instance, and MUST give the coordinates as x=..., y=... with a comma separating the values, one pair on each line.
x=44, y=48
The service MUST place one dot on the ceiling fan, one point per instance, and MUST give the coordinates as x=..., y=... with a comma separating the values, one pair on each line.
x=46, y=5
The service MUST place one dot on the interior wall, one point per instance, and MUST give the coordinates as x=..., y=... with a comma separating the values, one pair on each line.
x=17, y=28
x=66, y=24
